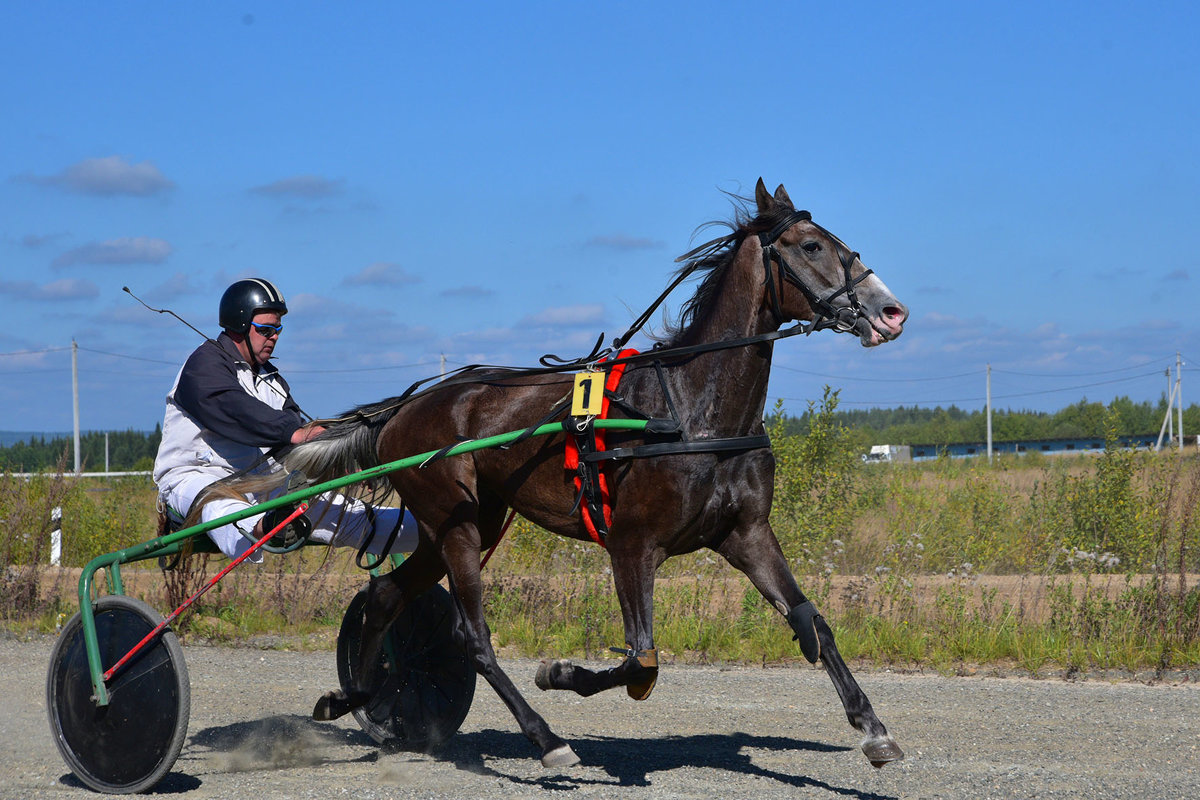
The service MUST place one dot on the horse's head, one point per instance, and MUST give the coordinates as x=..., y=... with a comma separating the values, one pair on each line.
x=813, y=276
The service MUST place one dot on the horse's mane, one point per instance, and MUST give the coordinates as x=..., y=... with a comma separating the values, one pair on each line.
x=711, y=263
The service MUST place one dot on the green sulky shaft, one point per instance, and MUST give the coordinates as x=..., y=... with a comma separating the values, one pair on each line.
x=172, y=542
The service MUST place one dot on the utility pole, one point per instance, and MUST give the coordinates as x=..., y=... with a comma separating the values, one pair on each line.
x=443, y=373
x=1179, y=394
x=75, y=398
x=989, y=413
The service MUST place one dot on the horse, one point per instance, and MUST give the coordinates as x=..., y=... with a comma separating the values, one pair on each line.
x=708, y=484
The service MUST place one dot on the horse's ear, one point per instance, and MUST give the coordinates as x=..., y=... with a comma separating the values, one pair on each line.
x=781, y=197
x=763, y=198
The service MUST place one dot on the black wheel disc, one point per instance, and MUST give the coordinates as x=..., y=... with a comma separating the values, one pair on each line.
x=130, y=744
x=426, y=682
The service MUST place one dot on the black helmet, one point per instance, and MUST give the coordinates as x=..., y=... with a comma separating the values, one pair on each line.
x=244, y=298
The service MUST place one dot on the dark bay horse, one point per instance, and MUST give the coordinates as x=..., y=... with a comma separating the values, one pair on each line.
x=776, y=266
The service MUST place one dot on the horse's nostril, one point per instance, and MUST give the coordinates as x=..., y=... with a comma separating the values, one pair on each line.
x=896, y=313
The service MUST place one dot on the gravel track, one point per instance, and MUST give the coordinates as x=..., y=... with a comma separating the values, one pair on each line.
x=707, y=732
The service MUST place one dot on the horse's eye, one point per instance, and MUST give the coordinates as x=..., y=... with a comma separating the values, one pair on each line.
x=811, y=247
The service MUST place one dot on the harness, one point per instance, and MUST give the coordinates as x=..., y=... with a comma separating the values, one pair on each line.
x=585, y=446
x=591, y=485
x=585, y=451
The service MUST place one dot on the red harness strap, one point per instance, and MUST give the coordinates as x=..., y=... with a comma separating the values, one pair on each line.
x=572, y=460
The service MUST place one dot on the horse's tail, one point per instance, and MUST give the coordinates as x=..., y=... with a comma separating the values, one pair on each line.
x=346, y=446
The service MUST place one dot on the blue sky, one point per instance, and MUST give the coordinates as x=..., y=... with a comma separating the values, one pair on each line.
x=491, y=182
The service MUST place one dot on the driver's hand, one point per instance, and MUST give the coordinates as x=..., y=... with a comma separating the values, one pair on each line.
x=307, y=433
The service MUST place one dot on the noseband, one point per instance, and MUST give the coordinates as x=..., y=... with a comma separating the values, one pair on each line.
x=843, y=319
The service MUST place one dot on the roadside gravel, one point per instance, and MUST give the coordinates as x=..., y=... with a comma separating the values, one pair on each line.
x=707, y=732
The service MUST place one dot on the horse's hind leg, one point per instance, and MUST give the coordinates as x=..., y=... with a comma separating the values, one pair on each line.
x=633, y=574
x=755, y=551
x=387, y=597
x=460, y=551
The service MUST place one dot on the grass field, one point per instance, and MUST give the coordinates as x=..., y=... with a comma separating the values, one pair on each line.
x=1072, y=563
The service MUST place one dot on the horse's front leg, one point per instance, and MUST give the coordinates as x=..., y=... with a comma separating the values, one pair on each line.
x=755, y=551
x=633, y=574
x=460, y=552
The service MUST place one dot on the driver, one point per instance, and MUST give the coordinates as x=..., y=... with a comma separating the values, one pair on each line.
x=228, y=410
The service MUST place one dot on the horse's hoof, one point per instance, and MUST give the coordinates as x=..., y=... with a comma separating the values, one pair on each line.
x=323, y=710
x=640, y=691
x=881, y=750
x=332, y=705
x=562, y=756
x=554, y=675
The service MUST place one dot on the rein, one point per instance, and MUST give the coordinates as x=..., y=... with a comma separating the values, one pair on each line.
x=842, y=319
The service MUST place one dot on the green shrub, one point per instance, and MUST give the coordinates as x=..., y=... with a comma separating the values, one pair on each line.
x=816, y=480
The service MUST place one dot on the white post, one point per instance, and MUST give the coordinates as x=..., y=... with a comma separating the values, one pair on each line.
x=1170, y=408
x=989, y=412
x=56, y=537
x=1167, y=419
x=75, y=398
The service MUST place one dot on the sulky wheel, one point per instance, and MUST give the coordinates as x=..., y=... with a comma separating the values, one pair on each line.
x=426, y=682
x=130, y=744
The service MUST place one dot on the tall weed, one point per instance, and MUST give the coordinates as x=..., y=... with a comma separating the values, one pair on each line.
x=26, y=507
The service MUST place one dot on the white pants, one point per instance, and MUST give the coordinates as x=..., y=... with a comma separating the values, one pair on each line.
x=336, y=520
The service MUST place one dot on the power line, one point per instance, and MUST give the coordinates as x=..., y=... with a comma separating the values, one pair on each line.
x=36, y=352
x=126, y=373
x=1080, y=386
x=131, y=358
x=37, y=371
x=973, y=374
x=176, y=363
x=361, y=369
x=1073, y=374
x=994, y=397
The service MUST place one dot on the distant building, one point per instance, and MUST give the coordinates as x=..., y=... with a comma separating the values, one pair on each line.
x=924, y=452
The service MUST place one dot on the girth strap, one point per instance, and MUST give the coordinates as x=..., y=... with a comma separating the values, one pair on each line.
x=735, y=443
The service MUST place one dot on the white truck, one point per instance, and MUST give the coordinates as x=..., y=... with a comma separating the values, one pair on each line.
x=887, y=452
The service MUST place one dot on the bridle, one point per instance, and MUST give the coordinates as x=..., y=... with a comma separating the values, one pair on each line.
x=843, y=319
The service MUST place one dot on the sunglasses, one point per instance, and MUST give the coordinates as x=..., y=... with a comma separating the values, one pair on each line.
x=267, y=331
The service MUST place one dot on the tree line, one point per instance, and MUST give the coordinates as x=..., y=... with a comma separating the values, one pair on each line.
x=135, y=450
x=128, y=451
x=942, y=426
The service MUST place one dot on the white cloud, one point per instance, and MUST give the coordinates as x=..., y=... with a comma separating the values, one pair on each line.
x=590, y=314
x=67, y=289
x=174, y=287
x=125, y=250
x=468, y=292
x=307, y=187
x=109, y=176
x=34, y=241
x=381, y=273
x=620, y=241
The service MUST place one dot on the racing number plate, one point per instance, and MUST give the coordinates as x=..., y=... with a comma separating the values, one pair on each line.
x=589, y=394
